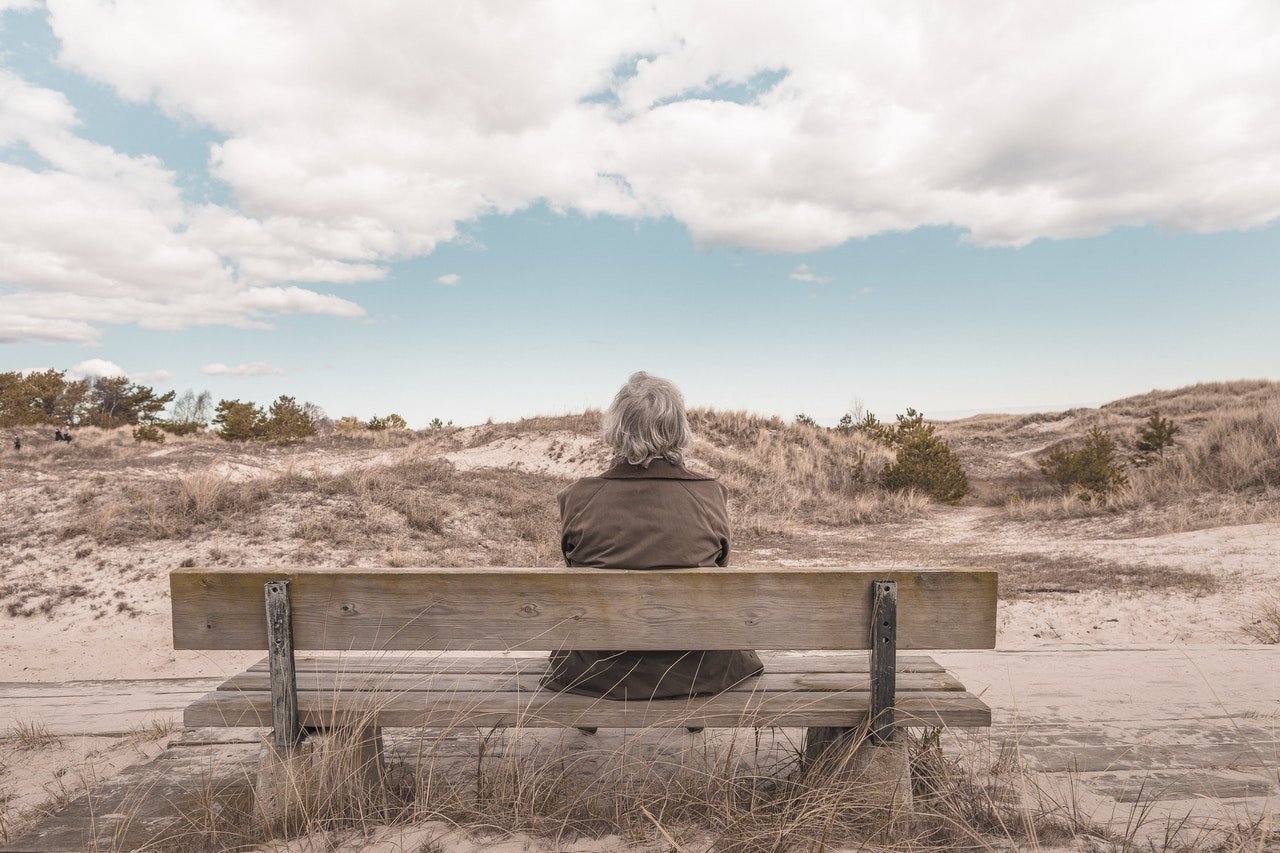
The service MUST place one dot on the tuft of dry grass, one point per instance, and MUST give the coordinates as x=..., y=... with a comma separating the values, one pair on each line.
x=32, y=735
x=1264, y=625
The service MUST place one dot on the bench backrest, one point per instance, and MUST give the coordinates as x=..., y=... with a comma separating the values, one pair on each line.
x=554, y=608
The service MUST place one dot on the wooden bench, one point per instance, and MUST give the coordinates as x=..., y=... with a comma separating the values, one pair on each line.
x=370, y=614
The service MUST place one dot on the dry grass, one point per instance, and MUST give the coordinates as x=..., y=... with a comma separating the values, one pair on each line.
x=435, y=500
x=726, y=797
x=31, y=735
x=1264, y=626
x=586, y=423
x=1238, y=452
x=662, y=790
x=1227, y=473
x=419, y=507
x=168, y=508
x=779, y=474
x=1202, y=398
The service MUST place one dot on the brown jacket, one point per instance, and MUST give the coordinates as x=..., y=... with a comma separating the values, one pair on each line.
x=662, y=516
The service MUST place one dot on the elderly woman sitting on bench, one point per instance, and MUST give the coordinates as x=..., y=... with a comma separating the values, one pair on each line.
x=646, y=512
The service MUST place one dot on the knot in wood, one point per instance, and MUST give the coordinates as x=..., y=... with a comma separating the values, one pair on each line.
x=529, y=609
x=576, y=614
x=658, y=613
x=347, y=608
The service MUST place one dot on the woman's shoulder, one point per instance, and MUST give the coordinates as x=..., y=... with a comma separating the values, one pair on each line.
x=579, y=491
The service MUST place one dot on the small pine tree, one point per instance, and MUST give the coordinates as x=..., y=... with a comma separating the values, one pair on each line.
x=870, y=426
x=804, y=420
x=1091, y=467
x=925, y=462
x=237, y=421
x=1157, y=434
x=287, y=421
x=906, y=426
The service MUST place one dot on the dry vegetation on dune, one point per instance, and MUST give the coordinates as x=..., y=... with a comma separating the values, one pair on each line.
x=781, y=474
x=485, y=494
x=1223, y=469
x=734, y=792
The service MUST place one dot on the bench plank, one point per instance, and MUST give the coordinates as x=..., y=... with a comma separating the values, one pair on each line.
x=552, y=608
x=455, y=682
x=445, y=662
x=735, y=708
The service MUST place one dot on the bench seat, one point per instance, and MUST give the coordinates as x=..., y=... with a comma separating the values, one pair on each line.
x=445, y=690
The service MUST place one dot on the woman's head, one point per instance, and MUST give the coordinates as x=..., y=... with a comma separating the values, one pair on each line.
x=646, y=420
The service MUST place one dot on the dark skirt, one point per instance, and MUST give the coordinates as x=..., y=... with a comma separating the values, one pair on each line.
x=649, y=675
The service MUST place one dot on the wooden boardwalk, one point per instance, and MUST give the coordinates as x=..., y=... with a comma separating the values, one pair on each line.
x=1110, y=735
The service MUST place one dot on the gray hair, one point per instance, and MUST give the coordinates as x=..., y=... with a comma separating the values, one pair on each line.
x=647, y=420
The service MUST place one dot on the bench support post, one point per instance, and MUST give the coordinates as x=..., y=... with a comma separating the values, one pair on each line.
x=286, y=731
x=823, y=741
x=884, y=659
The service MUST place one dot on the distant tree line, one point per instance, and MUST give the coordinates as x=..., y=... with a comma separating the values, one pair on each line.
x=49, y=398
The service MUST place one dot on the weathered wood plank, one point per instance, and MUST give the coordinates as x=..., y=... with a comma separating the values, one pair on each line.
x=547, y=609
x=1148, y=786
x=99, y=707
x=1108, y=757
x=799, y=708
x=527, y=681
x=409, y=662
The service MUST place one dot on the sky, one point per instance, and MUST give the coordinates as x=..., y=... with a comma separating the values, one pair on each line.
x=499, y=210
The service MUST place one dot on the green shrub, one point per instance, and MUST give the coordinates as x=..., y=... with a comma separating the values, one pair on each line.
x=925, y=463
x=238, y=421
x=1092, y=466
x=1157, y=434
x=180, y=427
x=148, y=432
x=287, y=421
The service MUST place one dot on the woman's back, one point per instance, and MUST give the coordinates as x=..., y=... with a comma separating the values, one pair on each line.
x=631, y=517
x=646, y=517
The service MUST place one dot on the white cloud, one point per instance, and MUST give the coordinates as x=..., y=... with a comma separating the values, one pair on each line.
x=365, y=133
x=866, y=290
x=95, y=367
x=101, y=237
x=803, y=273
x=450, y=278
x=240, y=371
